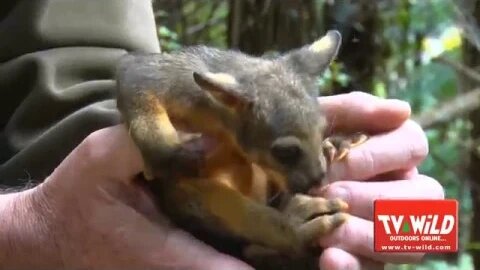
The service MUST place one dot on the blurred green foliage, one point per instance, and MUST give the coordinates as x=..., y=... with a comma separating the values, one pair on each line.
x=411, y=33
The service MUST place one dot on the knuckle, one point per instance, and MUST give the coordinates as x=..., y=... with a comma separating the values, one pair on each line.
x=361, y=163
x=366, y=100
x=349, y=232
x=91, y=149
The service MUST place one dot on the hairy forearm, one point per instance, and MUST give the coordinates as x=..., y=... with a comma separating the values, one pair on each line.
x=26, y=238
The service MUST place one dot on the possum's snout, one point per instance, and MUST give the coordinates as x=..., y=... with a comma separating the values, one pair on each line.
x=300, y=182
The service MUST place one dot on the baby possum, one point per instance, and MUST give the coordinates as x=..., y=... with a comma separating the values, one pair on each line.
x=246, y=194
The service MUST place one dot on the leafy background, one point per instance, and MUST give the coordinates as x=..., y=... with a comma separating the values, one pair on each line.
x=423, y=51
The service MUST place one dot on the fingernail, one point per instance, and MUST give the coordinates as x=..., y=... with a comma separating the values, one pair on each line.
x=399, y=104
x=338, y=193
x=322, y=190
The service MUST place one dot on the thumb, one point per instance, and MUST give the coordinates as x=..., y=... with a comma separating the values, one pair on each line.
x=107, y=154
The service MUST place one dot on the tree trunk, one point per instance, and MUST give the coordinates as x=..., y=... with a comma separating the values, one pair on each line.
x=471, y=58
x=258, y=26
x=357, y=20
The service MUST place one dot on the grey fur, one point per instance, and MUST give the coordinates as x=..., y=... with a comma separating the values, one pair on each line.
x=280, y=92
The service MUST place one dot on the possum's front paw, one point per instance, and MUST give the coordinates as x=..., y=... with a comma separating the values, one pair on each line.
x=186, y=162
x=312, y=217
x=336, y=148
x=183, y=162
x=315, y=216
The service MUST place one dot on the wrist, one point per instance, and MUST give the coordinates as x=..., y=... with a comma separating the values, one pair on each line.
x=27, y=239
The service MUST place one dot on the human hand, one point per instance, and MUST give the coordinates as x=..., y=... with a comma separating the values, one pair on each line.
x=91, y=214
x=382, y=167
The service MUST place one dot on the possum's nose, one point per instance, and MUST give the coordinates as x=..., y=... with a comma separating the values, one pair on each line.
x=306, y=177
x=317, y=178
x=317, y=175
x=314, y=178
x=315, y=182
x=319, y=170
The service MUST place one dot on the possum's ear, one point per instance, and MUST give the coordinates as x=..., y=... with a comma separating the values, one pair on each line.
x=315, y=58
x=224, y=88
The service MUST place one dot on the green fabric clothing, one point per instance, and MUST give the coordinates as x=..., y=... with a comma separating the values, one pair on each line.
x=57, y=63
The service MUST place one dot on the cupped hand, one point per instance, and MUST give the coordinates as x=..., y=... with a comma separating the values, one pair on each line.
x=101, y=219
x=382, y=167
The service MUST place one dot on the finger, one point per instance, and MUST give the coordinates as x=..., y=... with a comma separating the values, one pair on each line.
x=401, y=149
x=105, y=154
x=398, y=174
x=337, y=259
x=358, y=111
x=356, y=237
x=360, y=196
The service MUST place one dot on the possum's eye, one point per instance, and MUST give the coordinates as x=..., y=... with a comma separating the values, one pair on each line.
x=287, y=150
